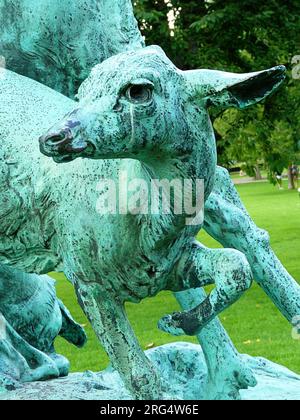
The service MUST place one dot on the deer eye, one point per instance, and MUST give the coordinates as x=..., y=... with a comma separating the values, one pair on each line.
x=139, y=94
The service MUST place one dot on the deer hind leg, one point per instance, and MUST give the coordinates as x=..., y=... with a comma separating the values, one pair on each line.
x=227, y=221
x=226, y=268
x=227, y=372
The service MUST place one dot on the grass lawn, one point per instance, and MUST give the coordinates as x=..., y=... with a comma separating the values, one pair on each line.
x=254, y=324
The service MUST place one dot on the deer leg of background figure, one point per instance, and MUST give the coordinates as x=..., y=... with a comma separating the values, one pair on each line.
x=227, y=220
x=109, y=321
x=199, y=266
x=20, y=361
x=25, y=301
x=29, y=303
x=227, y=372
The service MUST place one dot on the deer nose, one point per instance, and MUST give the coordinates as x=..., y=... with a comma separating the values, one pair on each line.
x=58, y=140
x=61, y=142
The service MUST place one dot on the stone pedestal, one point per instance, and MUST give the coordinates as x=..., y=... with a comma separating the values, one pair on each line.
x=183, y=371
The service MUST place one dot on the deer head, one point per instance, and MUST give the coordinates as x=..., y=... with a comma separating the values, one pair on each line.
x=139, y=105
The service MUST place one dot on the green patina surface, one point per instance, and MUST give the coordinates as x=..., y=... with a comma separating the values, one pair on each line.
x=57, y=43
x=137, y=113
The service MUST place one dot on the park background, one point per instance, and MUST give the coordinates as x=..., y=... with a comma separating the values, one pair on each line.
x=238, y=36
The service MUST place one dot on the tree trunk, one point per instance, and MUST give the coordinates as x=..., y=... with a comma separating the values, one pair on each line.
x=291, y=179
x=258, y=175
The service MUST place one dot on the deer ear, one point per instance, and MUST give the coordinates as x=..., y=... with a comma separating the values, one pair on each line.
x=227, y=90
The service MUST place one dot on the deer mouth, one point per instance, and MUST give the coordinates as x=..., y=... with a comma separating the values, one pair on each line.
x=88, y=152
x=64, y=159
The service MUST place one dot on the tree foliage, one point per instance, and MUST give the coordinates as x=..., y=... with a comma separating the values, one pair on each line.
x=239, y=36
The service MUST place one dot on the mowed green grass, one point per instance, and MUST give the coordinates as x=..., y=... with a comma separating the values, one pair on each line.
x=254, y=324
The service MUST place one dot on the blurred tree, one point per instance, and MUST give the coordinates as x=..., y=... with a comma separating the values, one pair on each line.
x=239, y=36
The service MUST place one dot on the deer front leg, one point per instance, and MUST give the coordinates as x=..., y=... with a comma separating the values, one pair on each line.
x=109, y=321
x=227, y=221
x=227, y=372
x=226, y=268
